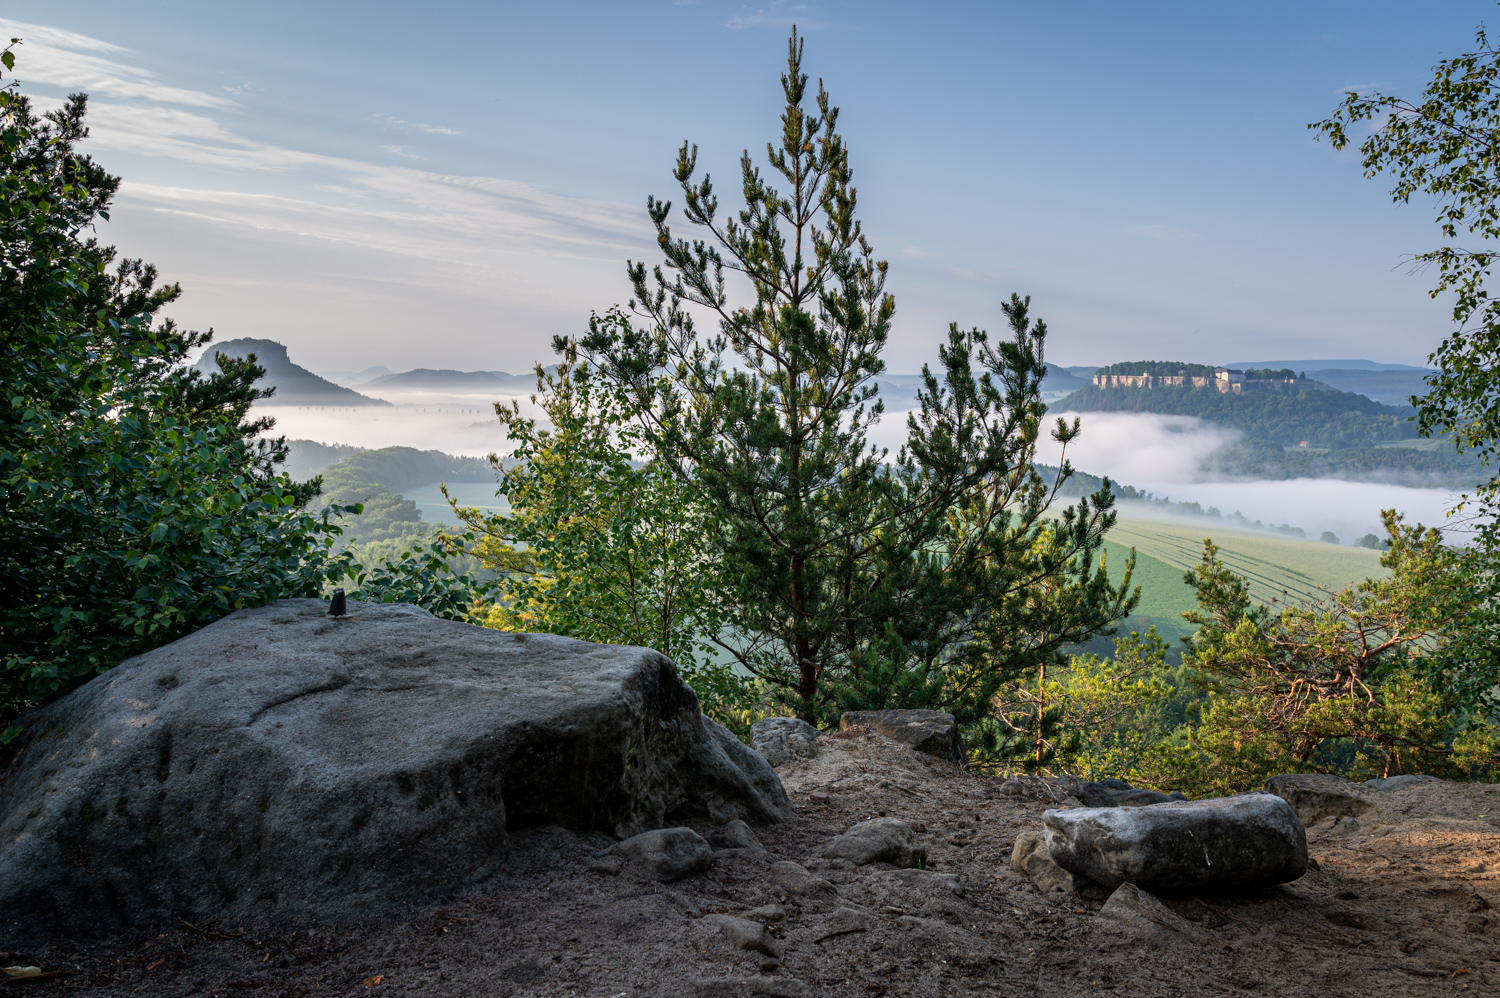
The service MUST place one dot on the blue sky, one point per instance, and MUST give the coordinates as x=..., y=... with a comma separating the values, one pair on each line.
x=451, y=184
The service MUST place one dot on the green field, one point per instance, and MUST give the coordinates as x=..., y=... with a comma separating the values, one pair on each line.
x=1280, y=568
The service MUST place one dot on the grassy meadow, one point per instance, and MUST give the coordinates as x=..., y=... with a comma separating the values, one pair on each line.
x=1278, y=568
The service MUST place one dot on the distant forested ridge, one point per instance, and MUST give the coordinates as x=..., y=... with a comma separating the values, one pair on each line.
x=376, y=480
x=1323, y=418
x=396, y=468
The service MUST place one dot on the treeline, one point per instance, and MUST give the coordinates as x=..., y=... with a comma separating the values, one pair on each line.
x=397, y=468
x=1393, y=465
x=1322, y=418
x=1160, y=368
x=1081, y=484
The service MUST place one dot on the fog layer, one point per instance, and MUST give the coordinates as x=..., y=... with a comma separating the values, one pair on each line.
x=1161, y=454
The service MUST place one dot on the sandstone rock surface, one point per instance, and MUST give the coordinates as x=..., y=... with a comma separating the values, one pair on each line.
x=1131, y=911
x=666, y=854
x=1315, y=796
x=285, y=758
x=878, y=840
x=1248, y=840
x=782, y=739
x=1029, y=857
x=735, y=835
x=931, y=731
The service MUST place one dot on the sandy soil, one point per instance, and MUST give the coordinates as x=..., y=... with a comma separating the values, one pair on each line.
x=1405, y=900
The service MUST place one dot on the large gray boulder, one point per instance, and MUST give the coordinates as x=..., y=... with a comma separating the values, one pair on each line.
x=934, y=732
x=1248, y=840
x=782, y=739
x=286, y=758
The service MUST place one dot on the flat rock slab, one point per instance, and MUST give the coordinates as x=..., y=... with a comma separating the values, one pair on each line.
x=743, y=933
x=1248, y=840
x=1315, y=796
x=282, y=757
x=1391, y=783
x=931, y=731
x=782, y=739
x=1111, y=792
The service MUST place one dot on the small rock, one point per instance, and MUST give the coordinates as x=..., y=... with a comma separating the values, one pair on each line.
x=1029, y=858
x=794, y=881
x=1114, y=783
x=1133, y=911
x=767, y=914
x=735, y=835
x=1475, y=922
x=1013, y=788
x=782, y=739
x=878, y=840
x=743, y=933
x=1142, y=798
x=1399, y=782
x=1315, y=796
x=1248, y=840
x=666, y=854
x=931, y=731
x=1027, y=843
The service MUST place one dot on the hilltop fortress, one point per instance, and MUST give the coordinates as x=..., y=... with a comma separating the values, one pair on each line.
x=1167, y=374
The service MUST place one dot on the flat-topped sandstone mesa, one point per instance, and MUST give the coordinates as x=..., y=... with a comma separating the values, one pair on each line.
x=285, y=758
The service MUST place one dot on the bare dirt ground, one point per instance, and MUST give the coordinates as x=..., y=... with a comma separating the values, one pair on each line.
x=1405, y=901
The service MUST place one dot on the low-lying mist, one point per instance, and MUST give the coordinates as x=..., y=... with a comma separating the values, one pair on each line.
x=1165, y=455
x=1160, y=454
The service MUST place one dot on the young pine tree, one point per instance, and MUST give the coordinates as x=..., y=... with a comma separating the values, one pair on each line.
x=929, y=576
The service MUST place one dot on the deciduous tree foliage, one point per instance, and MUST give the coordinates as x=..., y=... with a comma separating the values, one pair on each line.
x=1446, y=145
x=136, y=502
x=1357, y=683
x=599, y=545
x=846, y=568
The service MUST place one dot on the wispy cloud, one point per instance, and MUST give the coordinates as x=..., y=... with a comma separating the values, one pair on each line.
x=399, y=209
x=402, y=151
x=1162, y=232
x=419, y=126
x=362, y=247
x=68, y=60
